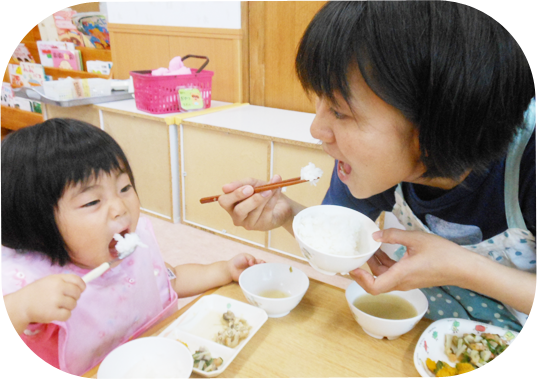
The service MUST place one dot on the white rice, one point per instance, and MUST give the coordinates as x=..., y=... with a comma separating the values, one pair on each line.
x=333, y=235
x=311, y=173
x=126, y=245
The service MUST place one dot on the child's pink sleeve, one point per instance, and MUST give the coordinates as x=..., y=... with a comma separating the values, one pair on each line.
x=42, y=339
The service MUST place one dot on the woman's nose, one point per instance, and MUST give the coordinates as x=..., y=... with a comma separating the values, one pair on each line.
x=320, y=127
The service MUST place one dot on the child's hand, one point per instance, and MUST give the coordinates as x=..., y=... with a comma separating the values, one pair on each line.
x=51, y=298
x=241, y=262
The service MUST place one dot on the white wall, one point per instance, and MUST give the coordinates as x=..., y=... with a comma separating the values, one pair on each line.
x=203, y=14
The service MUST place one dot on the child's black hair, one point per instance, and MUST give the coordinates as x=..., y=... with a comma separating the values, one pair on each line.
x=38, y=164
x=452, y=71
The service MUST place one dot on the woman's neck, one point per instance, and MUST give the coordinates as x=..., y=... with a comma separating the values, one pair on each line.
x=442, y=183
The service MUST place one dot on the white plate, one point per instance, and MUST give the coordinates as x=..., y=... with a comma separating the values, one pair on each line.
x=197, y=326
x=431, y=342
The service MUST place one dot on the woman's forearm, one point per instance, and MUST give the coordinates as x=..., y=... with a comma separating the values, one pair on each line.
x=295, y=209
x=508, y=285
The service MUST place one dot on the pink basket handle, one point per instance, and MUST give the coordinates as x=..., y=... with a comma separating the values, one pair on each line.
x=200, y=57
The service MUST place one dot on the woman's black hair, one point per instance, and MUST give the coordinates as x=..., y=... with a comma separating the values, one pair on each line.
x=453, y=71
x=38, y=164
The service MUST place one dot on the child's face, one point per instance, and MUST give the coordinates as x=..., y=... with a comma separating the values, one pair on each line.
x=89, y=214
x=375, y=145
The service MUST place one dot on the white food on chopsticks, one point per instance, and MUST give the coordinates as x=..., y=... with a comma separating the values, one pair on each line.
x=334, y=235
x=311, y=173
x=156, y=367
x=126, y=245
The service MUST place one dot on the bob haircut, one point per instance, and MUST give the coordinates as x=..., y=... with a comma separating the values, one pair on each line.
x=38, y=164
x=455, y=73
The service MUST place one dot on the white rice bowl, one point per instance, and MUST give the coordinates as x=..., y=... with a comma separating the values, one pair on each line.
x=335, y=239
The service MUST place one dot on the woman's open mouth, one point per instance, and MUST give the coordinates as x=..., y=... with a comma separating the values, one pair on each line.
x=343, y=169
x=112, y=245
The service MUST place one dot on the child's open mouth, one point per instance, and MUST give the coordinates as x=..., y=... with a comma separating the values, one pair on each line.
x=112, y=245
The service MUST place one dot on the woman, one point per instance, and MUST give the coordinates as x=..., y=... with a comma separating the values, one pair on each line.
x=428, y=109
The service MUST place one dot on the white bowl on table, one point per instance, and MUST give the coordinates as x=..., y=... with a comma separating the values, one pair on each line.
x=261, y=278
x=331, y=264
x=380, y=327
x=149, y=357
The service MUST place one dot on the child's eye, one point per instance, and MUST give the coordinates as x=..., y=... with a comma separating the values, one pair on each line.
x=91, y=204
x=126, y=188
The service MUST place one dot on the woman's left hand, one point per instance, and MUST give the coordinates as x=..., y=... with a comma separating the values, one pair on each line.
x=429, y=261
x=241, y=262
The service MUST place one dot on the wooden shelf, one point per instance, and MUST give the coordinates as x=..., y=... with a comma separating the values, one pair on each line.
x=15, y=119
x=27, y=32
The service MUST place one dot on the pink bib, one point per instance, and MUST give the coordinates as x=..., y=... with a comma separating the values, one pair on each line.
x=120, y=305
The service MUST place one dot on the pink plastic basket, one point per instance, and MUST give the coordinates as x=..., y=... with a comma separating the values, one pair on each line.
x=159, y=94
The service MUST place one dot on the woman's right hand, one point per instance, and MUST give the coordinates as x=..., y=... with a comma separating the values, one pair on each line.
x=51, y=298
x=261, y=211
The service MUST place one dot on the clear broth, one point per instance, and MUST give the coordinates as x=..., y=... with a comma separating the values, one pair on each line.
x=386, y=306
x=274, y=294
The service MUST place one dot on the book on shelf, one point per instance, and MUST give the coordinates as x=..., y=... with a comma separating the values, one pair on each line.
x=99, y=67
x=45, y=22
x=15, y=75
x=67, y=31
x=22, y=54
x=94, y=29
x=33, y=74
x=7, y=95
x=27, y=105
x=45, y=50
x=65, y=59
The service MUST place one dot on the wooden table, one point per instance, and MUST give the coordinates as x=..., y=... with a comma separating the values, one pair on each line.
x=319, y=338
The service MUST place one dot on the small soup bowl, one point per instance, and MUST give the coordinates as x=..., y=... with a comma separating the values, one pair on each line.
x=149, y=357
x=380, y=327
x=329, y=263
x=259, y=281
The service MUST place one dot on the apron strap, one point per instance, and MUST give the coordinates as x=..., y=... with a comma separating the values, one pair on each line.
x=512, y=170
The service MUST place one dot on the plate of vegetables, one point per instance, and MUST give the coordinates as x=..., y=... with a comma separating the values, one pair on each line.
x=455, y=346
x=215, y=329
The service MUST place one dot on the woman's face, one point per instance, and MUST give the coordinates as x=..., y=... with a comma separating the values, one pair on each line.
x=375, y=145
x=89, y=214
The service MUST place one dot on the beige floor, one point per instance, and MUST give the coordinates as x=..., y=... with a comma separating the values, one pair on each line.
x=182, y=244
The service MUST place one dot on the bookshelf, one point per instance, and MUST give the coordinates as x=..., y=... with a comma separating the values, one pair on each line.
x=13, y=119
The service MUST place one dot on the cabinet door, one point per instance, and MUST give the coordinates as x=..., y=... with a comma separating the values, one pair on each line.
x=146, y=144
x=211, y=159
x=288, y=160
x=86, y=113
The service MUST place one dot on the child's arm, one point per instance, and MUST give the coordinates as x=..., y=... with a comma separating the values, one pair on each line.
x=193, y=279
x=51, y=298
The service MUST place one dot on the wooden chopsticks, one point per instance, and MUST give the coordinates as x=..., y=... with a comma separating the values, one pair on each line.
x=266, y=187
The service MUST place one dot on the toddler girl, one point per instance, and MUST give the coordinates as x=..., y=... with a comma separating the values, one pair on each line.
x=67, y=189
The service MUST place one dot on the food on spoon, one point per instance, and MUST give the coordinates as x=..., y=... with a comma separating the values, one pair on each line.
x=331, y=234
x=470, y=351
x=126, y=245
x=311, y=173
x=204, y=361
x=235, y=330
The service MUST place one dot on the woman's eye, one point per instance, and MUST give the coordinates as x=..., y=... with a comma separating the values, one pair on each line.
x=337, y=115
x=126, y=188
x=91, y=203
